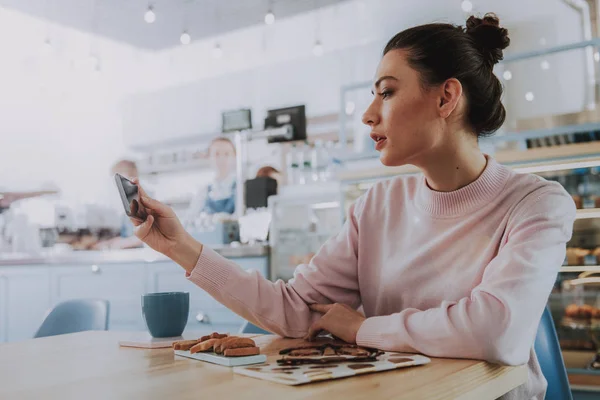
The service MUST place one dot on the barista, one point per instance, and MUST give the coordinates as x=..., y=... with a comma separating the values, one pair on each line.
x=219, y=196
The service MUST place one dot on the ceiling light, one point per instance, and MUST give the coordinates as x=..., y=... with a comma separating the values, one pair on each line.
x=466, y=6
x=149, y=15
x=507, y=75
x=545, y=65
x=269, y=18
x=185, y=38
x=529, y=96
x=217, y=51
x=318, y=48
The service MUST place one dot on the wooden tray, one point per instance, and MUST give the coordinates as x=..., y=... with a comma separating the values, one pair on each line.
x=222, y=360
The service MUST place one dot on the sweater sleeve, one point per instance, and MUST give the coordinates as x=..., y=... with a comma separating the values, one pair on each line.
x=498, y=321
x=281, y=307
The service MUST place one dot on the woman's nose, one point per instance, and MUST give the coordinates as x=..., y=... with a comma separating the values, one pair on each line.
x=370, y=117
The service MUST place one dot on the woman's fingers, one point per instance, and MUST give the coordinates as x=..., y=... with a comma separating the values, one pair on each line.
x=322, y=308
x=136, y=221
x=314, y=330
x=149, y=205
x=155, y=207
x=142, y=230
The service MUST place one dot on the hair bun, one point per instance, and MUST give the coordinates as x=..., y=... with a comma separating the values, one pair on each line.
x=489, y=37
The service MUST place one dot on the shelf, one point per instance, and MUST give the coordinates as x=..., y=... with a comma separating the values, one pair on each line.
x=588, y=213
x=175, y=167
x=544, y=159
x=580, y=268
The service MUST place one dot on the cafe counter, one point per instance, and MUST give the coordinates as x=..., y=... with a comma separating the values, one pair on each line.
x=31, y=286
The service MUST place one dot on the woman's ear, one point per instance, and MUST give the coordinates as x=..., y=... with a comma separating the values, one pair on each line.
x=451, y=92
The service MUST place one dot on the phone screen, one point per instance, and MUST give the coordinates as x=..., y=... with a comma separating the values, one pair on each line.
x=129, y=196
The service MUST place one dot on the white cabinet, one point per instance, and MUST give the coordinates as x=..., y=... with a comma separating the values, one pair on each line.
x=24, y=301
x=28, y=292
x=121, y=284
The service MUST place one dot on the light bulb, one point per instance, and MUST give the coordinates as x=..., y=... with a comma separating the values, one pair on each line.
x=150, y=16
x=269, y=18
x=185, y=38
x=466, y=6
x=318, y=49
x=529, y=96
x=507, y=75
x=545, y=65
x=217, y=51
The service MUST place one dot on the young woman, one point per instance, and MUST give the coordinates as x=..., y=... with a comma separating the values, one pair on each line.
x=219, y=195
x=458, y=262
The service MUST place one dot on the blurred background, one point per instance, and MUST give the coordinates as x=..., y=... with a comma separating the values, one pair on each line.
x=244, y=116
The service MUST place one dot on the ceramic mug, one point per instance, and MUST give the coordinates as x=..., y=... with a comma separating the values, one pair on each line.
x=166, y=314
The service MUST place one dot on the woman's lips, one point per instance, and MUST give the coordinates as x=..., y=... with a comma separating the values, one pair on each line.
x=380, y=144
x=380, y=141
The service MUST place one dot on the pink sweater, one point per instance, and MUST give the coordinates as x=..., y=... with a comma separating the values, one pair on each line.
x=462, y=274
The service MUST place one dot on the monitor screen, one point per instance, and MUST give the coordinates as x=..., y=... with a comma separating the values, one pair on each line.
x=236, y=120
x=295, y=116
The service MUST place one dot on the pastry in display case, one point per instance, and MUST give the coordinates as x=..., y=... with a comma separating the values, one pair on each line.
x=577, y=316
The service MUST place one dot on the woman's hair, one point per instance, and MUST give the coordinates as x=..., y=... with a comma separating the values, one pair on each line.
x=223, y=140
x=443, y=51
x=266, y=171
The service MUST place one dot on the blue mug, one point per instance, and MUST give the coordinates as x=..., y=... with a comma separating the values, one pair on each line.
x=166, y=314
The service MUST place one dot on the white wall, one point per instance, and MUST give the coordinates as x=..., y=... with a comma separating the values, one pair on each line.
x=60, y=122
x=270, y=66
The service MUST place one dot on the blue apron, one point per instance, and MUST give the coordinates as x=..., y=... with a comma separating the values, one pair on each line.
x=225, y=205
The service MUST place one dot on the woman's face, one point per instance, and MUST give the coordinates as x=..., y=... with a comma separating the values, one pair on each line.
x=403, y=116
x=222, y=156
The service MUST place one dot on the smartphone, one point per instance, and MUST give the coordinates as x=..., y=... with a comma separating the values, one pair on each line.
x=130, y=198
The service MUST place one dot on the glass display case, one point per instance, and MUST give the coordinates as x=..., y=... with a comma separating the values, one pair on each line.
x=304, y=217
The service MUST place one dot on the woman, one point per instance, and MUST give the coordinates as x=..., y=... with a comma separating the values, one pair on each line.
x=219, y=196
x=458, y=262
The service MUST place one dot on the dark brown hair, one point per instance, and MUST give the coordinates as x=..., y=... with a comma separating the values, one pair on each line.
x=443, y=51
x=267, y=170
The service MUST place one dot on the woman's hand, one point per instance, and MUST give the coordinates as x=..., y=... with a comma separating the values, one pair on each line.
x=338, y=319
x=163, y=232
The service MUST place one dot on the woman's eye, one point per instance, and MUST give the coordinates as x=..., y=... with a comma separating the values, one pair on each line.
x=385, y=93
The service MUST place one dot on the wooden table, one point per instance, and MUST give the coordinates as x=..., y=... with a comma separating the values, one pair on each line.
x=91, y=365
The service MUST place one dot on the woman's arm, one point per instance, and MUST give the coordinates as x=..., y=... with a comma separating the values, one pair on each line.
x=499, y=320
x=279, y=307
x=331, y=276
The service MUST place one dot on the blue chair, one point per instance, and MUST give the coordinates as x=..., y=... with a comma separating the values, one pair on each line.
x=75, y=316
x=550, y=358
x=251, y=328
